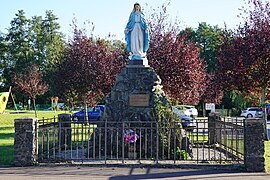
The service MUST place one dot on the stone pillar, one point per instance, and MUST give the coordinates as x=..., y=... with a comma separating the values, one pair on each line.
x=214, y=128
x=254, y=145
x=211, y=128
x=64, y=121
x=25, y=141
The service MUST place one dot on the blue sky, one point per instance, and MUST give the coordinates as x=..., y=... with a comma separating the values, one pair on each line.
x=111, y=16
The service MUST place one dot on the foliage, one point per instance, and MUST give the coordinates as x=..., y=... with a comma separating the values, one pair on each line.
x=213, y=93
x=90, y=66
x=168, y=122
x=181, y=154
x=31, y=83
x=208, y=38
x=2, y=54
x=244, y=59
x=175, y=60
x=35, y=41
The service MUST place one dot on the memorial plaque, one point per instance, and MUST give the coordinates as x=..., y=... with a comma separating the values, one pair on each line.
x=139, y=100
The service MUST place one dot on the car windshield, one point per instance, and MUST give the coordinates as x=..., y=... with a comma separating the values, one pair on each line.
x=254, y=109
x=189, y=107
x=91, y=109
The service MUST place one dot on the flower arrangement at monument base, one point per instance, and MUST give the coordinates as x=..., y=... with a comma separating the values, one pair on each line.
x=130, y=138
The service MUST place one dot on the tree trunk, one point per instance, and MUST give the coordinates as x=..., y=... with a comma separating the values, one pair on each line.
x=34, y=103
x=85, y=110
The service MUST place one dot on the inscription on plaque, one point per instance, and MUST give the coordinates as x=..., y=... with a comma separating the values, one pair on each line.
x=139, y=100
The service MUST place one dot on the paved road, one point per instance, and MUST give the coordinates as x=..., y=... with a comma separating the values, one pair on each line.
x=109, y=173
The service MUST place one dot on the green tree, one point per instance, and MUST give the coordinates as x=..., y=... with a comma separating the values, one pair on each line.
x=51, y=42
x=2, y=55
x=18, y=51
x=36, y=41
x=209, y=39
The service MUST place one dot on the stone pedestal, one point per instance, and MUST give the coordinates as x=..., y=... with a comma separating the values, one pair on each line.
x=138, y=62
x=25, y=141
x=131, y=106
x=133, y=96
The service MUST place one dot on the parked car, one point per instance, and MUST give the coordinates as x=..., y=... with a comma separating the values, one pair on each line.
x=94, y=114
x=187, y=114
x=101, y=107
x=188, y=122
x=187, y=110
x=252, y=112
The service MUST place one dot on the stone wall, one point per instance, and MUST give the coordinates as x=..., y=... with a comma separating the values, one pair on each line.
x=25, y=141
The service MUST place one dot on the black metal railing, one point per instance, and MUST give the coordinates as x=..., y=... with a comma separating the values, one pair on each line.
x=231, y=135
x=117, y=141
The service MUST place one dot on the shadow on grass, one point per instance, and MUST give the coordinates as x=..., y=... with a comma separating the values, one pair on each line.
x=6, y=136
x=7, y=128
x=6, y=155
x=6, y=133
x=6, y=145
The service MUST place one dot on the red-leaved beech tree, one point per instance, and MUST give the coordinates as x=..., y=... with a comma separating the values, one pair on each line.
x=176, y=60
x=244, y=60
x=30, y=83
x=90, y=67
x=214, y=92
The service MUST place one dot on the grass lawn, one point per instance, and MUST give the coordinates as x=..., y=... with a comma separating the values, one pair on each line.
x=267, y=156
x=6, y=145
